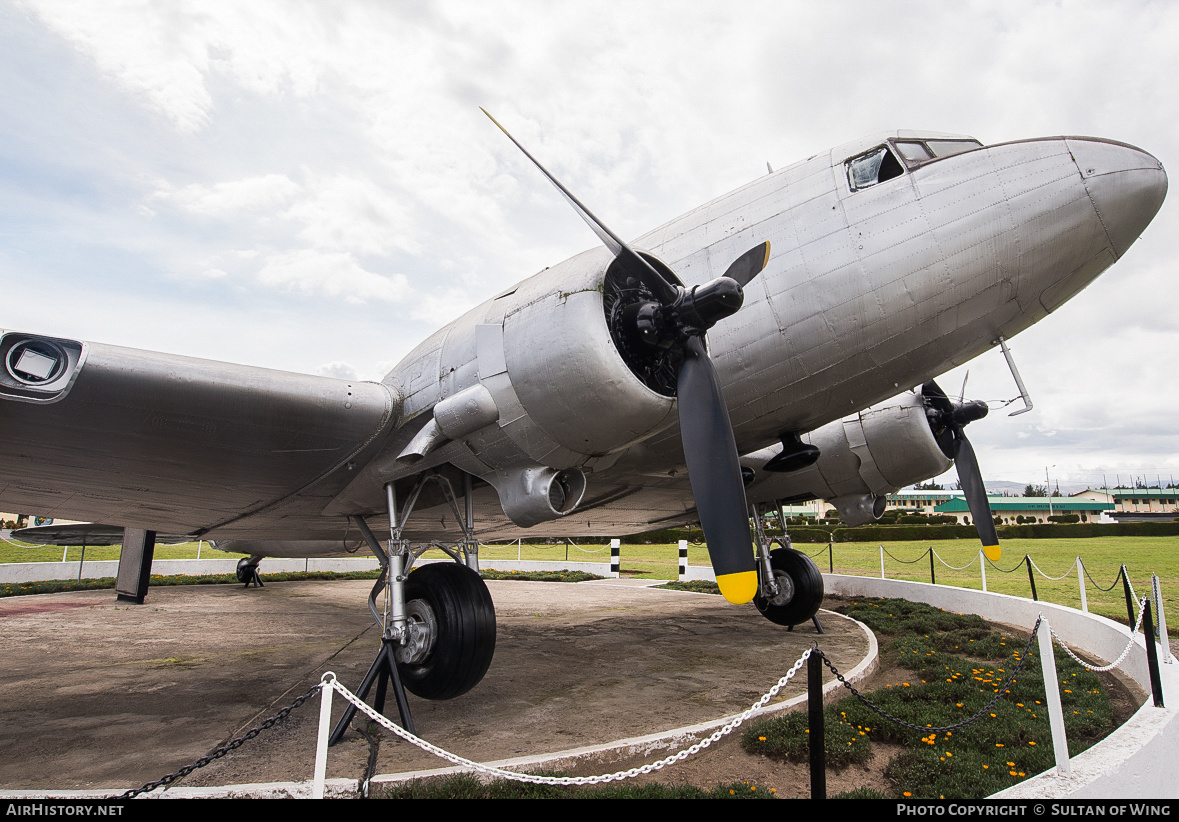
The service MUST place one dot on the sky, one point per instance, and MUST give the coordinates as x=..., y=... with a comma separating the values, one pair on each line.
x=312, y=187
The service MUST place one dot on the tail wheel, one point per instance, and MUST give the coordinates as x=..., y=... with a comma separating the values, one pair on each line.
x=451, y=631
x=800, y=589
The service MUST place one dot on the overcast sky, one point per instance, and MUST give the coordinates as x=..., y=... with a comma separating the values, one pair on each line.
x=312, y=187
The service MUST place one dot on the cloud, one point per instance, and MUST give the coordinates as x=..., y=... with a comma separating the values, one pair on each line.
x=330, y=274
x=229, y=199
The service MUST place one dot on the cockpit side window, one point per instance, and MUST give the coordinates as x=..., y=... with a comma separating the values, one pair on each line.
x=872, y=168
x=919, y=152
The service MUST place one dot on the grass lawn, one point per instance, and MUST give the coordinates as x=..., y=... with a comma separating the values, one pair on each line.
x=1102, y=557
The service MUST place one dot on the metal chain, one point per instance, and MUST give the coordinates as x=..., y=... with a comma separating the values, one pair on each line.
x=223, y=750
x=955, y=567
x=926, y=729
x=1098, y=587
x=1014, y=568
x=1054, y=579
x=731, y=726
x=906, y=561
x=1125, y=651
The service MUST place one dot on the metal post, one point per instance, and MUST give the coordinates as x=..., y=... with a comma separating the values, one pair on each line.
x=1152, y=657
x=1158, y=602
x=1081, y=583
x=932, y=578
x=982, y=565
x=1031, y=578
x=683, y=559
x=1052, y=697
x=882, y=562
x=615, y=557
x=321, y=743
x=1131, y=611
x=82, y=559
x=830, y=558
x=814, y=696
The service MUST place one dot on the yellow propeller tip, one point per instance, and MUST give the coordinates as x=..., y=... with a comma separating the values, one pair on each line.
x=992, y=552
x=738, y=588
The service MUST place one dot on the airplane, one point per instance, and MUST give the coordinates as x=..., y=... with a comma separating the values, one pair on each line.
x=776, y=344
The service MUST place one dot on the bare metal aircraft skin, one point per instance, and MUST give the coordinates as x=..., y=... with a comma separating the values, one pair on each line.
x=893, y=259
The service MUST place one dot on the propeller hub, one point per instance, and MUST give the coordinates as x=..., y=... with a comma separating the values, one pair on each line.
x=706, y=305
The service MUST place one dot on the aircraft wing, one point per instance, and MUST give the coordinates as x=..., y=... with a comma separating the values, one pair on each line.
x=85, y=533
x=175, y=444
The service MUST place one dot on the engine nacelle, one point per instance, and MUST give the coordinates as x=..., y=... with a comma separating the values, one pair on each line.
x=863, y=459
x=566, y=369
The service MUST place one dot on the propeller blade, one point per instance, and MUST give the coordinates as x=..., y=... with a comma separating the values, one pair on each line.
x=665, y=291
x=715, y=474
x=976, y=495
x=750, y=264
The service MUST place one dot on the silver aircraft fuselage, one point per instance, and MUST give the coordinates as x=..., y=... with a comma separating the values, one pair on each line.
x=867, y=293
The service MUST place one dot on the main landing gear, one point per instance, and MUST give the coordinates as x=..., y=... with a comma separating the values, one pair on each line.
x=790, y=587
x=437, y=624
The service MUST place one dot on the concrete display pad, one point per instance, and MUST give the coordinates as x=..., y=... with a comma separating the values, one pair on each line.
x=106, y=695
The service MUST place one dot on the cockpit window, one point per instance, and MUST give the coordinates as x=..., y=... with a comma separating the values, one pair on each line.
x=944, y=148
x=914, y=152
x=876, y=166
x=917, y=152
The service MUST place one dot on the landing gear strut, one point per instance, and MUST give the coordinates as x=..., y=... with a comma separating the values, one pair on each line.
x=438, y=624
x=790, y=587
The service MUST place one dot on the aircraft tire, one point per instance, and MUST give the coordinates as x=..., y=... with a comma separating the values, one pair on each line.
x=802, y=588
x=456, y=604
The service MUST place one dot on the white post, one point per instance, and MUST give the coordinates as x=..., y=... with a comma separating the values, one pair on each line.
x=982, y=564
x=321, y=744
x=684, y=560
x=1052, y=697
x=615, y=558
x=64, y=552
x=519, y=548
x=1081, y=582
x=1162, y=618
x=882, y=562
x=200, y=542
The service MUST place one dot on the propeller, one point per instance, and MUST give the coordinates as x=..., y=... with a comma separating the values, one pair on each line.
x=947, y=420
x=672, y=318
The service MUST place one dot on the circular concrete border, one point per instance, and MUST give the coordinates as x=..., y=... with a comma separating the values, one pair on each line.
x=1137, y=760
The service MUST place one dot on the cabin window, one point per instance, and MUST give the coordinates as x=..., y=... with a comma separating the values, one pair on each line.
x=876, y=166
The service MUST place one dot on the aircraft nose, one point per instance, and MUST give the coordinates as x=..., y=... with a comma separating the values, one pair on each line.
x=1126, y=184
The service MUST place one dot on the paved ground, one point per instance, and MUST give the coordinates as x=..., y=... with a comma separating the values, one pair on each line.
x=100, y=694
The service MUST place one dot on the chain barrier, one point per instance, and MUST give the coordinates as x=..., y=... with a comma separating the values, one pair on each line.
x=1053, y=579
x=1098, y=587
x=925, y=728
x=907, y=561
x=731, y=726
x=223, y=750
x=1014, y=568
x=954, y=567
x=1125, y=651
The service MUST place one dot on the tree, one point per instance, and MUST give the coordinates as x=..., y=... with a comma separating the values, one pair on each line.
x=1035, y=491
x=928, y=486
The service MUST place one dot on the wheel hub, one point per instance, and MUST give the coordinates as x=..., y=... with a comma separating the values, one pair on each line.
x=785, y=589
x=421, y=632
